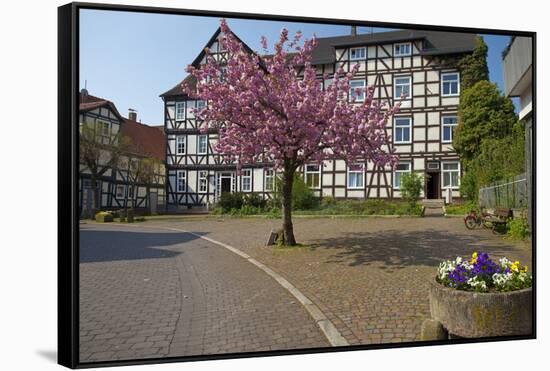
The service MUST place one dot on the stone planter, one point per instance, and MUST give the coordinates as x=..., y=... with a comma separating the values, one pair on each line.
x=473, y=315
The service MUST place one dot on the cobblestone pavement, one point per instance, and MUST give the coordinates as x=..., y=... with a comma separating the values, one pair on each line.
x=369, y=276
x=154, y=293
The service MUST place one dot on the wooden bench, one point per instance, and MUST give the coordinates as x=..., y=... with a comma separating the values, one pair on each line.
x=499, y=217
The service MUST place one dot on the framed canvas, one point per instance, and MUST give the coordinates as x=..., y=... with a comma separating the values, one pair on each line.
x=244, y=185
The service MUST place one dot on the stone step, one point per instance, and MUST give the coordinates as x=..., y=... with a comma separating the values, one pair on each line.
x=433, y=204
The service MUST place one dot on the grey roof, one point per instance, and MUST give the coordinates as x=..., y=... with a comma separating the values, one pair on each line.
x=435, y=43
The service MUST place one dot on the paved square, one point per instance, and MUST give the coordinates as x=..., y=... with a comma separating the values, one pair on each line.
x=369, y=276
x=155, y=293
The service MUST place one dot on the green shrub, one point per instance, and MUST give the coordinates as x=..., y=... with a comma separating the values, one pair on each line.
x=303, y=197
x=518, y=228
x=469, y=185
x=411, y=187
x=229, y=201
x=328, y=201
x=255, y=200
x=461, y=209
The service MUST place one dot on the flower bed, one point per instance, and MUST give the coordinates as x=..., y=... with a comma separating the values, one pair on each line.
x=481, y=274
x=479, y=298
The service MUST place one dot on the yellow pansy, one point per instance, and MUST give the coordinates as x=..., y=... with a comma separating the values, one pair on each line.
x=474, y=258
x=515, y=266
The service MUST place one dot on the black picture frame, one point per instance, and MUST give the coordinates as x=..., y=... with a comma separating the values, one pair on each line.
x=68, y=220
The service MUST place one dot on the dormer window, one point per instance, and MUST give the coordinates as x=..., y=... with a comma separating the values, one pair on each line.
x=356, y=54
x=402, y=49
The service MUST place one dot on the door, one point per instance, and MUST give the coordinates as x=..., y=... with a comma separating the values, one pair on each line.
x=153, y=199
x=432, y=185
x=225, y=184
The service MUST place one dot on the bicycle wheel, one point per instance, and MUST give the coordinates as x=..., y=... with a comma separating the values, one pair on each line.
x=470, y=221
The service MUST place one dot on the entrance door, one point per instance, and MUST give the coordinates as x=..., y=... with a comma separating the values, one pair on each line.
x=225, y=184
x=432, y=185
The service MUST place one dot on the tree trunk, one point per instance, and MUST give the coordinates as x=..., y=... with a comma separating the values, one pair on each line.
x=95, y=197
x=148, y=198
x=288, y=229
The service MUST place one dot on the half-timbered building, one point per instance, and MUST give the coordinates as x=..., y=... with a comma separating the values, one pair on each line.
x=416, y=68
x=115, y=188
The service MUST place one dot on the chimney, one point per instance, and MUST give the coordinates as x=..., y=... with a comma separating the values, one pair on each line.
x=132, y=114
x=353, y=30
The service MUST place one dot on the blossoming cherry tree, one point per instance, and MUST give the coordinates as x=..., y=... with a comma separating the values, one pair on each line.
x=267, y=111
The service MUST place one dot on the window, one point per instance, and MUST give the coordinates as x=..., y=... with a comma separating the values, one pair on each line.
x=402, y=87
x=203, y=144
x=400, y=50
x=223, y=72
x=180, y=145
x=181, y=184
x=451, y=175
x=201, y=104
x=450, y=84
x=203, y=181
x=356, y=176
x=402, y=168
x=180, y=110
x=103, y=128
x=354, y=85
x=269, y=180
x=247, y=180
x=313, y=176
x=449, y=124
x=119, y=191
x=402, y=130
x=357, y=53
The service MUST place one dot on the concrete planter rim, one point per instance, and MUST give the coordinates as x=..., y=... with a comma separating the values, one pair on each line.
x=439, y=286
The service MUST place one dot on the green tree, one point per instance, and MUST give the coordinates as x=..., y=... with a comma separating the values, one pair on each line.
x=98, y=153
x=473, y=67
x=150, y=168
x=411, y=187
x=483, y=113
x=497, y=159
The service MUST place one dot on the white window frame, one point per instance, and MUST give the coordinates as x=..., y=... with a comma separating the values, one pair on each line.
x=247, y=174
x=312, y=172
x=361, y=58
x=122, y=195
x=183, y=142
x=444, y=125
x=396, y=171
x=457, y=84
x=396, y=48
x=203, y=181
x=178, y=112
x=409, y=127
x=200, y=104
x=103, y=125
x=361, y=97
x=443, y=171
x=199, y=144
x=361, y=171
x=269, y=174
x=395, y=84
x=181, y=175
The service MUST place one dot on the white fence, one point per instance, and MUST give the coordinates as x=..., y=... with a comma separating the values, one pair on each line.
x=510, y=194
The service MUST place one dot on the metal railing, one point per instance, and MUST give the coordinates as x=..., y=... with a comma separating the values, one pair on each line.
x=511, y=194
